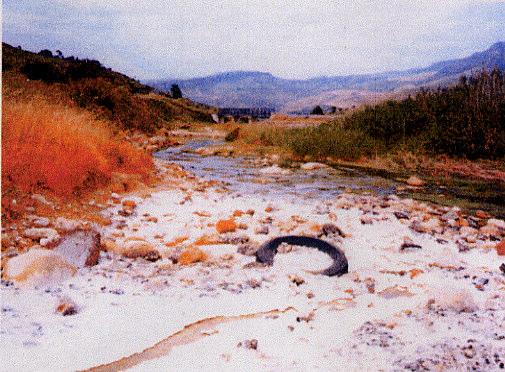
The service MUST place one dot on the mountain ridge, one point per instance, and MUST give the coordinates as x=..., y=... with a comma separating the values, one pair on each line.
x=256, y=88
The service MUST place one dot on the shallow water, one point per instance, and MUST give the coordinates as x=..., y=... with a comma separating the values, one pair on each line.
x=242, y=176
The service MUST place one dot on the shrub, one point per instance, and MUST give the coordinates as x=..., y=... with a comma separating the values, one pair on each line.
x=317, y=111
x=47, y=72
x=62, y=149
x=176, y=91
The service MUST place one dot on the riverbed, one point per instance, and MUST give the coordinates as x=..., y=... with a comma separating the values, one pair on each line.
x=424, y=289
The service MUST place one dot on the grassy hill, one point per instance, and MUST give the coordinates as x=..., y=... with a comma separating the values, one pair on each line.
x=250, y=88
x=64, y=122
x=111, y=95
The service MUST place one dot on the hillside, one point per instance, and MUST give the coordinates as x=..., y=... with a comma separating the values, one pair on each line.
x=86, y=83
x=250, y=88
x=68, y=126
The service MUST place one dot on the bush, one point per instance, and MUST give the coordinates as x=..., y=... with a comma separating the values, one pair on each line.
x=116, y=103
x=62, y=149
x=47, y=72
x=467, y=120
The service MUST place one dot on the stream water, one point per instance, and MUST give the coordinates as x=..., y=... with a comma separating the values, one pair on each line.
x=242, y=174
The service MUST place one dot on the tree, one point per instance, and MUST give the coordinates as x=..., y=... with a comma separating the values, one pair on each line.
x=46, y=53
x=317, y=111
x=59, y=54
x=176, y=91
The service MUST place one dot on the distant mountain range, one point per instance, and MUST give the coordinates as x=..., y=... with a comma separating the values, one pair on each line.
x=260, y=89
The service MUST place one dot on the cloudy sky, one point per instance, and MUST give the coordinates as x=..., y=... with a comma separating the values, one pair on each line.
x=289, y=38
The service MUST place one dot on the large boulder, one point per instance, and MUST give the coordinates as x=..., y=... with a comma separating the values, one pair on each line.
x=38, y=267
x=81, y=248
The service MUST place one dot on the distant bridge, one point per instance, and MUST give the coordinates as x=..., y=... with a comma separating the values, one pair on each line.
x=243, y=115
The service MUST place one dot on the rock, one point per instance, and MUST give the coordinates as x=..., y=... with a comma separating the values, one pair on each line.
x=500, y=248
x=225, y=226
x=296, y=279
x=274, y=170
x=306, y=318
x=366, y=220
x=66, y=306
x=330, y=229
x=65, y=225
x=466, y=231
x=263, y=229
x=82, y=248
x=192, y=255
x=249, y=344
x=141, y=249
x=457, y=300
x=130, y=204
x=402, y=215
x=394, y=292
x=41, y=199
x=370, y=284
x=133, y=249
x=38, y=267
x=430, y=226
x=247, y=249
x=482, y=215
x=313, y=166
x=45, y=236
x=497, y=226
x=415, y=181
x=409, y=243
x=39, y=221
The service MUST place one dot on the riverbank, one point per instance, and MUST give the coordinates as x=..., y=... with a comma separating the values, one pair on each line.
x=425, y=288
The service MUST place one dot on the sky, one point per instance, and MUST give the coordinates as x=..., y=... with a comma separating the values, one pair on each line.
x=294, y=39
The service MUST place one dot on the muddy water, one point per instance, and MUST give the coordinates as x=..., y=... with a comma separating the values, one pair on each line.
x=242, y=175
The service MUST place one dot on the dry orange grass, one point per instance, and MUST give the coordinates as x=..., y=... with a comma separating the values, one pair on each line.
x=62, y=149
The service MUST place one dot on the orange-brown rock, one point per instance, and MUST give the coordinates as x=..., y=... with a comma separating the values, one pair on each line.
x=500, y=248
x=238, y=213
x=192, y=255
x=177, y=241
x=206, y=240
x=129, y=204
x=225, y=226
x=482, y=214
x=395, y=291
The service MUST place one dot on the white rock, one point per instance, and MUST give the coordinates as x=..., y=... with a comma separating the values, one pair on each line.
x=81, y=248
x=499, y=224
x=46, y=236
x=274, y=170
x=415, y=181
x=455, y=299
x=39, y=221
x=41, y=199
x=38, y=267
x=313, y=166
x=66, y=225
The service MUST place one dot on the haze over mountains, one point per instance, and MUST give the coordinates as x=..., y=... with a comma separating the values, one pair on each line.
x=260, y=89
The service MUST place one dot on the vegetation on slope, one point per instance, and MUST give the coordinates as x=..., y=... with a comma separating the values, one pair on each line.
x=466, y=121
x=86, y=83
x=64, y=122
x=62, y=149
